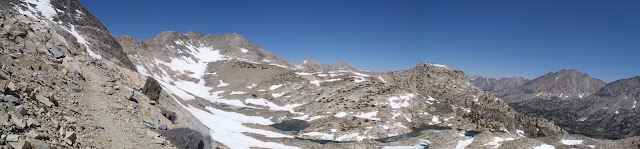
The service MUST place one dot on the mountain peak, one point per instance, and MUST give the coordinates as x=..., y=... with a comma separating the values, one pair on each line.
x=341, y=65
x=566, y=83
x=310, y=61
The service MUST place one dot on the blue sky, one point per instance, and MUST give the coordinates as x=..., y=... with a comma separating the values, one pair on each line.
x=495, y=38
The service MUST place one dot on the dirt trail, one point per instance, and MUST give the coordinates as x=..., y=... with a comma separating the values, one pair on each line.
x=121, y=129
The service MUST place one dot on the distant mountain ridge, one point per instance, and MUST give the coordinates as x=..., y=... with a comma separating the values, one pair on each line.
x=566, y=83
x=313, y=65
x=577, y=102
x=497, y=87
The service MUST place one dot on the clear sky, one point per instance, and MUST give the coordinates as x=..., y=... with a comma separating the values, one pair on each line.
x=495, y=38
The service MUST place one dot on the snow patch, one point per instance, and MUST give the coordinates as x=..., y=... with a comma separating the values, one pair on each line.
x=316, y=117
x=271, y=105
x=400, y=101
x=82, y=41
x=435, y=120
x=237, y=93
x=520, y=132
x=243, y=50
x=276, y=95
x=464, y=143
x=323, y=136
x=232, y=132
x=544, y=146
x=496, y=141
x=380, y=77
x=273, y=87
x=341, y=114
x=303, y=73
x=369, y=115
x=430, y=100
x=222, y=84
x=439, y=65
x=316, y=82
x=42, y=6
x=571, y=142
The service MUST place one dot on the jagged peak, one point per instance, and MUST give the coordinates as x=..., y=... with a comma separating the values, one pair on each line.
x=310, y=61
x=342, y=65
x=425, y=64
x=126, y=38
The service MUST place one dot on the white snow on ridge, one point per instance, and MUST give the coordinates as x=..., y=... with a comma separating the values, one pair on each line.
x=45, y=9
x=438, y=65
x=83, y=41
x=202, y=54
x=279, y=65
x=571, y=142
x=42, y=6
x=243, y=50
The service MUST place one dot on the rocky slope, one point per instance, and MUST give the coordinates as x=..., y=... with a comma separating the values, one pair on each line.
x=75, y=23
x=66, y=83
x=497, y=87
